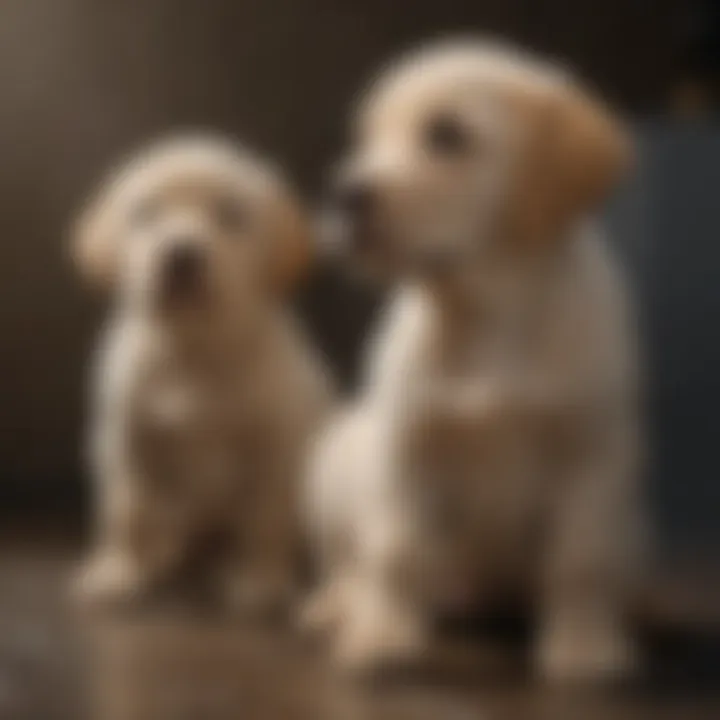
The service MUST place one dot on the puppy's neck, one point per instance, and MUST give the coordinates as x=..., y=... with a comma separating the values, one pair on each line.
x=473, y=293
x=499, y=294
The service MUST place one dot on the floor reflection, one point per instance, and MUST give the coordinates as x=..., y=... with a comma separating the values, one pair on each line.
x=180, y=663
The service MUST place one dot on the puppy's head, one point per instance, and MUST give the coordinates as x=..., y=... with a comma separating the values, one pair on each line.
x=463, y=146
x=192, y=224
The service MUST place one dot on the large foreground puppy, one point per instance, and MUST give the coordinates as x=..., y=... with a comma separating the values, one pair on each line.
x=204, y=395
x=494, y=448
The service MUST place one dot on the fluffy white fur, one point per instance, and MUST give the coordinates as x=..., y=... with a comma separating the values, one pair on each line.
x=494, y=447
x=204, y=393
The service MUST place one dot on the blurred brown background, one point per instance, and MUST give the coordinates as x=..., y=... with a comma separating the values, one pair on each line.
x=82, y=82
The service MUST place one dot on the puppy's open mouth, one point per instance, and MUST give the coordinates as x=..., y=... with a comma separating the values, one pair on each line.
x=183, y=289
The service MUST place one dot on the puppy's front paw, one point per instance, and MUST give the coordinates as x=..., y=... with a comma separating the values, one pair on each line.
x=109, y=579
x=320, y=612
x=593, y=654
x=369, y=644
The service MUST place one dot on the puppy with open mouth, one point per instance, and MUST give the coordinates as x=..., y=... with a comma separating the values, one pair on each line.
x=205, y=394
x=494, y=448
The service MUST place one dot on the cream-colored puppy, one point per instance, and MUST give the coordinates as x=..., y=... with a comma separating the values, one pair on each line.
x=204, y=392
x=494, y=447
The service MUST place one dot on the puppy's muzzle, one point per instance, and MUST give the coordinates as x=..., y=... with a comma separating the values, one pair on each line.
x=184, y=268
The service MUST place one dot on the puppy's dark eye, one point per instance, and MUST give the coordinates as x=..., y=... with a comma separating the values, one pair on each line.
x=230, y=214
x=444, y=135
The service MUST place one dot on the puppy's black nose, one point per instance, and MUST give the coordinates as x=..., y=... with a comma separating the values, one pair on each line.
x=354, y=200
x=184, y=263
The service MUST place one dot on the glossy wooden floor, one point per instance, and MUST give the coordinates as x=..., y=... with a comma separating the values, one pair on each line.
x=183, y=665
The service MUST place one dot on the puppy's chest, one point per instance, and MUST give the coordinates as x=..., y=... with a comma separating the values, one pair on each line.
x=474, y=457
x=189, y=424
x=462, y=388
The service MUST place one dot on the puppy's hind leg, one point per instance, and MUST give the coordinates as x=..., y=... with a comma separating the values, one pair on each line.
x=583, y=634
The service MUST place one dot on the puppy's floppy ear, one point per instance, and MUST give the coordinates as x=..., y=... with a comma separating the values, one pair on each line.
x=94, y=243
x=578, y=154
x=292, y=248
x=592, y=150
